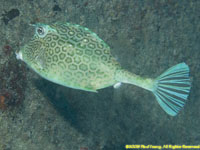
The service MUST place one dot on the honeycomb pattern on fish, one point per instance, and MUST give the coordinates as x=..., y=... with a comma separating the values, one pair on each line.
x=76, y=55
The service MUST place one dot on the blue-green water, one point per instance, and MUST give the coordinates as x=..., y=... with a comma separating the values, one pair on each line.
x=146, y=37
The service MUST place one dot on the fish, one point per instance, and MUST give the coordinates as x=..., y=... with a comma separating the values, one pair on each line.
x=73, y=56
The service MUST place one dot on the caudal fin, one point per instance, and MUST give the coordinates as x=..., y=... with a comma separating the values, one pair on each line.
x=172, y=88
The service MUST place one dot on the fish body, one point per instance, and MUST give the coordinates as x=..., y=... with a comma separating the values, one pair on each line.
x=73, y=56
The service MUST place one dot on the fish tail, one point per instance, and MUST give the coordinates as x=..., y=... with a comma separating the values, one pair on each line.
x=172, y=88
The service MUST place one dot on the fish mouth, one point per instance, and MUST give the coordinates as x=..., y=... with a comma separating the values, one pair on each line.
x=19, y=55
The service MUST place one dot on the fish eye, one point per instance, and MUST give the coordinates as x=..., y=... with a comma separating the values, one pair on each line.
x=40, y=31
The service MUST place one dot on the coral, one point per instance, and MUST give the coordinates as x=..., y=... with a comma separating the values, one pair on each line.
x=2, y=102
x=12, y=79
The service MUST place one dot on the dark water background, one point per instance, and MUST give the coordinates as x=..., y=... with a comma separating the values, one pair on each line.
x=146, y=37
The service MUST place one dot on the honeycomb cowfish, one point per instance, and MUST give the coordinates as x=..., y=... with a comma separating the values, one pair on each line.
x=75, y=57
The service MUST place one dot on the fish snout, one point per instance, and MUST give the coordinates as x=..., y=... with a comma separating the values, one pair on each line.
x=19, y=55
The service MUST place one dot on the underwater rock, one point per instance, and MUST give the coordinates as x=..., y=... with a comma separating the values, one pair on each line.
x=10, y=15
x=56, y=8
